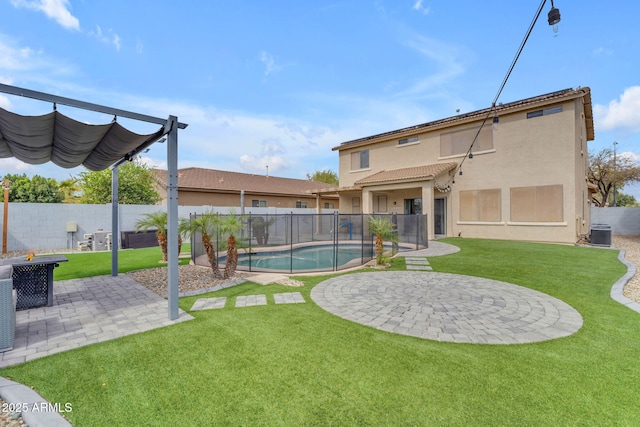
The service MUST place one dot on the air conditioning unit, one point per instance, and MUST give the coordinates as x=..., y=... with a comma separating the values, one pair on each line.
x=600, y=234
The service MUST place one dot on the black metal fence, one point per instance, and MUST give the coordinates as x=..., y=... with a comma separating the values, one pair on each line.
x=310, y=242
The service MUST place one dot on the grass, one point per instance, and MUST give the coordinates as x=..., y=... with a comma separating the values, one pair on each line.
x=88, y=264
x=299, y=365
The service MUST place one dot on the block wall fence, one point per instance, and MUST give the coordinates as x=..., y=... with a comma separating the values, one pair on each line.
x=623, y=221
x=43, y=226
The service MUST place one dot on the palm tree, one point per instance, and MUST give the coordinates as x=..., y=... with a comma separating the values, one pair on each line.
x=231, y=224
x=207, y=225
x=383, y=229
x=157, y=220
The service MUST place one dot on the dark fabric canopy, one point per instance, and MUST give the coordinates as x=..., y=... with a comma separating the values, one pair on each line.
x=66, y=142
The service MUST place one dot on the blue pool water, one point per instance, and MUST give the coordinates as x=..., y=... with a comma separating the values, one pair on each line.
x=307, y=258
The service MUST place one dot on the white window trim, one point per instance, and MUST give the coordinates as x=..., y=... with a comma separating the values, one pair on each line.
x=538, y=224
x=408, y=144
x=480, y=223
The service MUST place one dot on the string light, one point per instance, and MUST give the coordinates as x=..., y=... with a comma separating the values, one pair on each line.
x=553, y=19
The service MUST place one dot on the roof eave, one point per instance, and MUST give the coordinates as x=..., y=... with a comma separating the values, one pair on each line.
x=474, y=116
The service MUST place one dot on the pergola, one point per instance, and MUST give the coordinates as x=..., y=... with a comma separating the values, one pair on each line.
x=69, y=143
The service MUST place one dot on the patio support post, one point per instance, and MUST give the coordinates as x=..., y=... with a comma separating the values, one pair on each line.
x=114, y=221
x=172, y=216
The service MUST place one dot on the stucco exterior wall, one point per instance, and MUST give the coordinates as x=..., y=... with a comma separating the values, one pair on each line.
x=548, y=150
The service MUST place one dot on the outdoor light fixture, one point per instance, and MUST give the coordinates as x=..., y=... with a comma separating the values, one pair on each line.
x=554, y=17
x=496, y=122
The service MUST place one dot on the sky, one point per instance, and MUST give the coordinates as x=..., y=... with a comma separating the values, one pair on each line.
x=272, y=86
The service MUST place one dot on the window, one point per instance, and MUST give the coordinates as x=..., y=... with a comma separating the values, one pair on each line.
x=380, y=204
x=545, y=112
x=328, y=205
x=355, y=205
x=360, y=160
x=537, y=204
x=480, y=205
x=300, y=204
x=408, y=140
x=458, y=142
x=259, y=203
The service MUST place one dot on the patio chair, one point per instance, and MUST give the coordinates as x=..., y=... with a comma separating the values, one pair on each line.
x=8, y=298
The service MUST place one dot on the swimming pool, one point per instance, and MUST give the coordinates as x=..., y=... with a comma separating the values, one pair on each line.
x=317, y=257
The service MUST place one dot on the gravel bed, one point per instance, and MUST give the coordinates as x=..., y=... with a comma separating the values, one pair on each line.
x=631, y=245
x=190, y=278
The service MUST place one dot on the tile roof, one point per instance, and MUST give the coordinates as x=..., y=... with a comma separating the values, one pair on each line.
x=224, y=181
x=545, y=99
x=404, y=174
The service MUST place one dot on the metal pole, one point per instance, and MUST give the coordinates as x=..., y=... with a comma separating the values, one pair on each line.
x=5, y=185
x=291, y=243
x=615, y=201
x=172, y=217
x=114, y=221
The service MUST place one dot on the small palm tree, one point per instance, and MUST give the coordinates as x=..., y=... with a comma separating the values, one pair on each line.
x=383, y=229
x=207, y=225
x=231, y=224
x=157, y=220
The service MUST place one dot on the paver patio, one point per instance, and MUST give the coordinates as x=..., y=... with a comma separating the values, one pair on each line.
x=87, y=311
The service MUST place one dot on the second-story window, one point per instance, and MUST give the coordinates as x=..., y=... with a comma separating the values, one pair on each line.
x=360, y=160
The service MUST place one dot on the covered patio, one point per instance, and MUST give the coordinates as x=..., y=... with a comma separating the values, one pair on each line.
x=69, y=143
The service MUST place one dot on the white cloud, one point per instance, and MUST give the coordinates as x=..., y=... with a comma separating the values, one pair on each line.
x=109, y=38
x=270, y=63
x=4, y=101
x=13, y=165
x=447, y=59
x=420, y=8
x=57, y=10
x=634, y=157
x=622, y=113
x=603, y=51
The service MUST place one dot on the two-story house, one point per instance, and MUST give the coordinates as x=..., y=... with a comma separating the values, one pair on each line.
x=514, y=171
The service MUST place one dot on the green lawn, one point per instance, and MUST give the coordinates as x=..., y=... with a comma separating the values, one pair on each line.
x=87, y=264
x=299, y=365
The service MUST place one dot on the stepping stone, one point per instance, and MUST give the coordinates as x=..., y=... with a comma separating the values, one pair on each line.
x=422, y=261
x=209, y=303
x=251, y=300
x=289, y=298
x=419, y=267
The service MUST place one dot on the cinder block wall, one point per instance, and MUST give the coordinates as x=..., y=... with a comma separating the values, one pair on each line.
x=623, y=221
x=43, y=226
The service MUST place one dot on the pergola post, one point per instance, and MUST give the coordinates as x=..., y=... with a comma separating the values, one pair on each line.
x=114, y=221
x=172, y=216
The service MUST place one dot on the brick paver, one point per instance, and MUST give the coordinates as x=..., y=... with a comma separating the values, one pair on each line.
x=447, y=307
x=87, y=311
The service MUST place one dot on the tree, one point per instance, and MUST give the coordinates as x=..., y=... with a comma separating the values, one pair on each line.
x=608, y=171
x=135, y=185
x=383, y=229
x=327, y=176
x=231, y=224
x=625, y=200
x=157, y=221
x=33, y=190
x=71, y=191
x=207, y=225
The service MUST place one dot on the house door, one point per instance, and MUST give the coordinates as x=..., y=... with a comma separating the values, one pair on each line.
x=412, y=206
x=439, y=216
